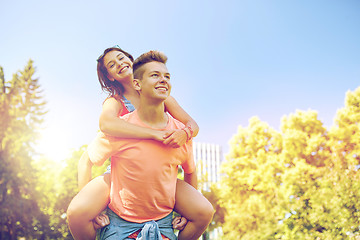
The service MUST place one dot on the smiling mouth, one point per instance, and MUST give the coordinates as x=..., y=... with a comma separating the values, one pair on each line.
x=162, y=88
x=123, y=69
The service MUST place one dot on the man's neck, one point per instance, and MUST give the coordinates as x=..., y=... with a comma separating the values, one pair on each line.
x=128, y=85
x=153, y=114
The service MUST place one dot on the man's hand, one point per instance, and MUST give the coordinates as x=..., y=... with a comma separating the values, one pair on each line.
x=175, y=138
x=179, y=223
x=159, y=135
x=101, y=221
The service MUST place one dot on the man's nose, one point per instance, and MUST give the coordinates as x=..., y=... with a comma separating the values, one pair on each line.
x=163, y=78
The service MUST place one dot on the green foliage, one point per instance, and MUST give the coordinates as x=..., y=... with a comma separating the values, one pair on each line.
x=21, y=111
x=58, y=182
x=34, y=191
x=68, y=186
x=246, y=198
x=299, y=183
x=48, y=187
x=219, y=214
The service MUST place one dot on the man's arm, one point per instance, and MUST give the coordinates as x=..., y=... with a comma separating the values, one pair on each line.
x=84, y=170
x=191, y=178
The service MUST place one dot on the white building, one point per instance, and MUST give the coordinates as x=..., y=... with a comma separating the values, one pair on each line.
x=208, y=158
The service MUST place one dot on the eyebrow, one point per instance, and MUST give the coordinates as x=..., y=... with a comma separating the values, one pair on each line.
x=156, y=71
x=109, y=63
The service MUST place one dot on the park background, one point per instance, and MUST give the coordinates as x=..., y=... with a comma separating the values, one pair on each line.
x=273, y=82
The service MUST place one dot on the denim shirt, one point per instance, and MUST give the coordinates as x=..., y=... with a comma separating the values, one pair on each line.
x=128, y=105
x=120, y=229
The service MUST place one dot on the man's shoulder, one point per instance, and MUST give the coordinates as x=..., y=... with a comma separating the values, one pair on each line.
x=174, y=123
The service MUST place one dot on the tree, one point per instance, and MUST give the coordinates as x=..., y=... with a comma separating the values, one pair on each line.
x=304, y=155
x=67, y=188
x=47, y=175
x=249, y=189
x=328, y=207
x=219, y=214
x=21, y=111
x=299, y=183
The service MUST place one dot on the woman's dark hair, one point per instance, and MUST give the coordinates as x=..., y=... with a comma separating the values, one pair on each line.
x=114, y=88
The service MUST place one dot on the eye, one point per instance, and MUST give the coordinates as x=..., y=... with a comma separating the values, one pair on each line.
x=154, y=75
x=167, y=77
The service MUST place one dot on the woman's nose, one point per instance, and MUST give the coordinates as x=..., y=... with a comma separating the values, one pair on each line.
x=119, y=63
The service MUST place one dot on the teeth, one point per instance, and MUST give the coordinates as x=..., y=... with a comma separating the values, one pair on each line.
x=164, y=88
x=121, y=70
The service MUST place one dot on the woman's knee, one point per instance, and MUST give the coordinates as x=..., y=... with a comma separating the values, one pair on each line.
x=207, y=212
x=204, y=213
x=74, y=212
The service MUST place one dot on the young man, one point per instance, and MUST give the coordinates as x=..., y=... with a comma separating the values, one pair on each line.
x=144, y=172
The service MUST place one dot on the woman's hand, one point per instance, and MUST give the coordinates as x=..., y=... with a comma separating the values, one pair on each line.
x=179, y=223
x=101, y=221
x=175, y=138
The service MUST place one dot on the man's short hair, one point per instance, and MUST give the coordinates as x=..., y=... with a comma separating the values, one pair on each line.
x=151, y=56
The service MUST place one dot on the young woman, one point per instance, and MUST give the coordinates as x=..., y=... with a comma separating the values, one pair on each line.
x=115, y=76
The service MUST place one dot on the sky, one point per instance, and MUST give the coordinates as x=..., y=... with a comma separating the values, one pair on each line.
x=229, y=60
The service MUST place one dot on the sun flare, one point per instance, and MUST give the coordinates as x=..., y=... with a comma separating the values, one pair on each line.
x=53, y=144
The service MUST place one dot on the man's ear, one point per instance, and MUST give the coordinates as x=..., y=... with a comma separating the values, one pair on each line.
x=137, y=84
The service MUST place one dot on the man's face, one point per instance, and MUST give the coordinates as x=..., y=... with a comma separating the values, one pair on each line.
x=155, y=83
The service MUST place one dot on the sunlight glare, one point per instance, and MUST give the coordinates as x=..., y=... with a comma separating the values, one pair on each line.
x=53, y=144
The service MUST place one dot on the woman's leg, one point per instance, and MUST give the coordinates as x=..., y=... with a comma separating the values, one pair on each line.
x=86, y=205
x=192, y=205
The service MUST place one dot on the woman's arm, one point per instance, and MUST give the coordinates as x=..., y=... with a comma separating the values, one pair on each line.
x=173, y=107
x=111, y=124
x=177, y=138
x=84, y=170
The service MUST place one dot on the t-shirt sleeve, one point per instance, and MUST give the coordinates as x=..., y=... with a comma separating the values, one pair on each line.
x=189, y=165
x=102, y=147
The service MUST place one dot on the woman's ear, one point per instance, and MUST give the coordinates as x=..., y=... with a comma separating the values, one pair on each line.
x=137, y=84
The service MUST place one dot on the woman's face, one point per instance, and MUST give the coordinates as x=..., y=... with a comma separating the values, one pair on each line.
x=118, y=65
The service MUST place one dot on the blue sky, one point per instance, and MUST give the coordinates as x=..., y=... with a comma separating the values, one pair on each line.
x=229, y=60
